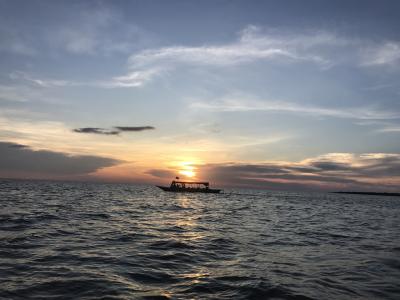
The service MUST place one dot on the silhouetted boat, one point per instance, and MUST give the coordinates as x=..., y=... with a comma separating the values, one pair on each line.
x=189, y=187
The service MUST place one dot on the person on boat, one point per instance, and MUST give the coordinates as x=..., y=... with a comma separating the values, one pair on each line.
x=173, y=183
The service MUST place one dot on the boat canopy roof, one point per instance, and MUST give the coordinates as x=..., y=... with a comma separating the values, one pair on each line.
x=192, y=182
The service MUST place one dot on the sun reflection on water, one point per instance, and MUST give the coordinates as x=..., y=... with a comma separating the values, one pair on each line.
x=196, y=276
x=187, y=219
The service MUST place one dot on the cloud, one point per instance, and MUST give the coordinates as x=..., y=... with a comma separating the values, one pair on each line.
x=134, y=128
x=389, y=129
x=117, y=131
x=329, y=172
x=20, y=159
x=160, y=173
x=132, y=79
x=80, y=29
x=386, y=54
x=14, y=40
x=96, y=130
x=11, y=93
x=99, y=30
x=330, y=166
x=17, y=146
x=86, y=36
x=381, y=126
x=246, y=105
x=251, y=46
x=20, y=75
x=254, y=44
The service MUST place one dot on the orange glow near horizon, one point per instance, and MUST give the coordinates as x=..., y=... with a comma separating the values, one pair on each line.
x=187, y=173
x=187, y=169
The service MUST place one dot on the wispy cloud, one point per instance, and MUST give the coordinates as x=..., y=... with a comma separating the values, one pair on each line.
x=251, y=46
x=392, y=129
x=15, y=41
x=381, y=126
x=378, y=55
x=244, y=105
x=18, y=98
x=86, y=35
x=254, y=44
x=132, y=79
x=15, y=93
x=24, y=76
x=82, y=29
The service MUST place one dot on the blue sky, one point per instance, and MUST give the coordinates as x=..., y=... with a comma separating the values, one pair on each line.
x=223, y=84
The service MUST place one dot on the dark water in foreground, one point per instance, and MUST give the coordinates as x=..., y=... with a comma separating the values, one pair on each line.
x=104, y=241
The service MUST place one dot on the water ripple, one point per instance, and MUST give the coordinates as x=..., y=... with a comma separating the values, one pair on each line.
x=118, y=241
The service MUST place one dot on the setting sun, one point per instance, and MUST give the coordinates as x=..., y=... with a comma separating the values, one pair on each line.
x=188, y=173
x=199, y=149
x=187, y=169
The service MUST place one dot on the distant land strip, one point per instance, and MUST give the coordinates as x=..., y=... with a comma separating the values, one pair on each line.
x=369, y=193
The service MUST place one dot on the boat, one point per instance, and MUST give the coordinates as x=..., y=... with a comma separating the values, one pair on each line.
x=189, y=187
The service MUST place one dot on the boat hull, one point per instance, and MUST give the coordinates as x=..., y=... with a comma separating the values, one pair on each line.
x=188, y=190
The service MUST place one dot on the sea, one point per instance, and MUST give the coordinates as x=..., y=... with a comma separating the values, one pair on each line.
x=64, y=240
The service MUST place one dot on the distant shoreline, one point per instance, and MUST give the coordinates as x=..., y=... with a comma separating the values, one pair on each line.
x=369, y=193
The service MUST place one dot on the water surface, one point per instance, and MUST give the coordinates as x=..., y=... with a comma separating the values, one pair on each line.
x=120, y=241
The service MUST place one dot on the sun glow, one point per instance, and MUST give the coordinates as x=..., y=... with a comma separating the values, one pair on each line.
x=187, y=169
x=187, y=173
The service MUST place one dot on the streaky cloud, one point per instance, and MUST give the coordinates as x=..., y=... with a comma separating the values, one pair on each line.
x=132, y=79
x=96, y=130
x=251, y=46
x=382, y=55
x=116, y=131
x=329, y=172
x=20, y=75
x=323, y=48
x=134, y=128
x=246, y=105
x=389, y=129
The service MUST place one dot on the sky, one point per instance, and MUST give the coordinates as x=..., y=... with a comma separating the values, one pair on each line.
x=282, y=95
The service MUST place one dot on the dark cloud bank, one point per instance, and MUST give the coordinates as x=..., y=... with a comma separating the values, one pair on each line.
x=115, y=131
x=161, y=173
x=367, y=174
x=20, y=159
